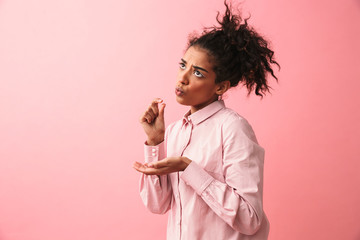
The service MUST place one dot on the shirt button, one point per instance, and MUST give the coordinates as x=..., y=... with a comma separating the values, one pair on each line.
x=153, y=154
x=153, y=150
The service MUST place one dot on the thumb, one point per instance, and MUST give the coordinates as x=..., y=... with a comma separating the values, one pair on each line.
x=161, y=110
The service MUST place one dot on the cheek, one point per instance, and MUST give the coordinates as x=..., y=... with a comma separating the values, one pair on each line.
x=203, y=87
x=202, y=91
x=197, y=87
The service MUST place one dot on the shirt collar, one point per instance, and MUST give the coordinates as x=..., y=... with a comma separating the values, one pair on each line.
x=204, y=113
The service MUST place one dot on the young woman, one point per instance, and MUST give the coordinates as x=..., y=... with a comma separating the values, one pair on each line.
x=207, y=168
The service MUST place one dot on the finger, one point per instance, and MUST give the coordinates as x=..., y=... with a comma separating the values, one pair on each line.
x=162, y=110
x=159, y=164
x=154, y=109
x=145, y=118
x=149, y=116
x=138, y=166
x=155, y=171
x=143, y=169
x=156, y=101
x=151, y=112
x=154, y=105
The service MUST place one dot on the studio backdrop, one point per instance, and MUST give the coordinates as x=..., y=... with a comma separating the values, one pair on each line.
x=76, y=75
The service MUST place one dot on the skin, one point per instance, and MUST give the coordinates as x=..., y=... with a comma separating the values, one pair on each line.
x=196, y=79
x=195, y=87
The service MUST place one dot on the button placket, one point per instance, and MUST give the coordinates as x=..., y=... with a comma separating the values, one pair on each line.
x=188, y=130
x=187, y=135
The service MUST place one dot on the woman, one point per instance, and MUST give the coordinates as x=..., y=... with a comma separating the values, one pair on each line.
x=207, y=168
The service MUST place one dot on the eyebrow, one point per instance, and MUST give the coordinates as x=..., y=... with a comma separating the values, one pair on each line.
x=196, y=67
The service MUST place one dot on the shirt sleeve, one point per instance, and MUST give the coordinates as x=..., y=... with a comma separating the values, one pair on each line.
x=238, y=200
x=155, y=191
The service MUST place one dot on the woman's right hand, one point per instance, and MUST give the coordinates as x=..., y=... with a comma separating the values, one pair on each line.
x=153, y=122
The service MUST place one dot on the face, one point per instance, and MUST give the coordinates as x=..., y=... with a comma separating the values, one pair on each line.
x=196, y=85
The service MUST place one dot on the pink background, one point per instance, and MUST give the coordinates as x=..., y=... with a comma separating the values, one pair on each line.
x=76, y=75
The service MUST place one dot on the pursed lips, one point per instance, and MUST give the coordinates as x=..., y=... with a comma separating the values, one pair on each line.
x=179, y=91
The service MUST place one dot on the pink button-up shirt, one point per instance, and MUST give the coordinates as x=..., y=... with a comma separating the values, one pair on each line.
x=219, y=195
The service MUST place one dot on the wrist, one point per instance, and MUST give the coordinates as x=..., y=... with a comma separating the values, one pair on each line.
x=153, y=142
x=186, y=162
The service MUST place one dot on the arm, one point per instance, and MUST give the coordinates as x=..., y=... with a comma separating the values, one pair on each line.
x=238, y=200
x=155, y=191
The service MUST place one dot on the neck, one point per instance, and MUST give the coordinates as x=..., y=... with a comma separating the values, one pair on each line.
x=194, y=109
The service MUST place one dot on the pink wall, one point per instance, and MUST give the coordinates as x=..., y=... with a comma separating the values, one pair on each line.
x=76, y=75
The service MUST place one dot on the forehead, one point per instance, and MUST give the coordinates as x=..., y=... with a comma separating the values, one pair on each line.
x=198, y=57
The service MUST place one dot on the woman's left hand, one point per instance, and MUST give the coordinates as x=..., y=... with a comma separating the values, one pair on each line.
x=162, y=167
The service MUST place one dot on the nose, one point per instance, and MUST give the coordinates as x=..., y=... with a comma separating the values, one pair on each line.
x=183, y=77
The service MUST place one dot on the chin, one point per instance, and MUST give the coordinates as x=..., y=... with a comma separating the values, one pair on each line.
x=182, y=101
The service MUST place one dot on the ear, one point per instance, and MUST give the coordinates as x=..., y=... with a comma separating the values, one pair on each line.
x=222, y=87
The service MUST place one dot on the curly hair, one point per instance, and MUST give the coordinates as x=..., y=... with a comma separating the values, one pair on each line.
x=239, y=53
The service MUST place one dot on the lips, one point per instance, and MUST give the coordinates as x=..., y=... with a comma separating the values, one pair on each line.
x=179, y=91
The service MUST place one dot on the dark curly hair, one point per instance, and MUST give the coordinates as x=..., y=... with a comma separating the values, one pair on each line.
x=239, y=53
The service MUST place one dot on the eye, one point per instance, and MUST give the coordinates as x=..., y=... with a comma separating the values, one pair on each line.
x=182, y=65
x=197, y=73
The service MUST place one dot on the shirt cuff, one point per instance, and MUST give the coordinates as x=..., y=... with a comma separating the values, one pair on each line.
x=196, y=177
x=152, y=153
